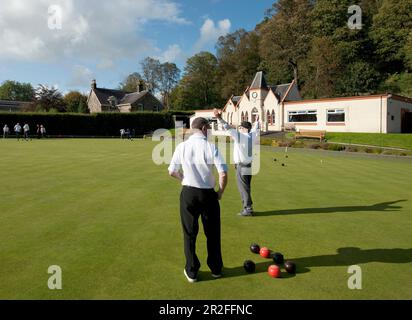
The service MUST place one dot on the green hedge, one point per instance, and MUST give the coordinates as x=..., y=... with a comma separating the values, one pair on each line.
x=101, y=124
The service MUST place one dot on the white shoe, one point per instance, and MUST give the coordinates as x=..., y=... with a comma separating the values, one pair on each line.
x=216, y=276
x=191, y=280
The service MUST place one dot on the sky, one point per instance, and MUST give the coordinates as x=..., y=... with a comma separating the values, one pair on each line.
x=67, y=43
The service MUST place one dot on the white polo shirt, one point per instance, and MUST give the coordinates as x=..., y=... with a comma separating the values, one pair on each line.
x=196, y=157
x=244, y=142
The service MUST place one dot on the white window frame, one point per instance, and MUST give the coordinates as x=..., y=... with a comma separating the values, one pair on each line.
x=335, y=111
x=302, y=112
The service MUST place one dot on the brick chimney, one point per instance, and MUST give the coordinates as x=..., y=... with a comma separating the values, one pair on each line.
x=94, y=84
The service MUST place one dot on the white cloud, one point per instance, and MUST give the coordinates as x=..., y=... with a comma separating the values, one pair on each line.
x=106, y=64
x=94, y=29
x=81, y=76
x=210, y=32
x=172, y=54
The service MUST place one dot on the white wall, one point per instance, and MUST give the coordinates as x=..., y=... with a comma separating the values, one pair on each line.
x=362, y=114
x=394, y=109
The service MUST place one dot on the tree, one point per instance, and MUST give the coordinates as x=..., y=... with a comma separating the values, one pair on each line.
x=16, y=91
x=169, y=77
x=83, y=107
x=49, y=98
x=75, y=102
x=198, y=86
x=131, y=83
x=359, y=77
x=285, y=39
x=322, y=70
x=238, y=61
x=390, y=31
x=151, y=72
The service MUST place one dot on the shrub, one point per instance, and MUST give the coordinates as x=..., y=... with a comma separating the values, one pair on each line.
x=315, y=146
x=266, y=141
x=351, y=149
x=336, y=147
x=298, y=144
x=284, y=144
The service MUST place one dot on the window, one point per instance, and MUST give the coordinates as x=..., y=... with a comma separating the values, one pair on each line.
x=246, y=117
x=140, y=107
x=269, y=119
x=303, y=116
x=155, y=108
x=336, y=115
x=243, y=117
x=273, y=117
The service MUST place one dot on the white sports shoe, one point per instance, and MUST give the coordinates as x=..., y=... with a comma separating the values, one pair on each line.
x=191, y=280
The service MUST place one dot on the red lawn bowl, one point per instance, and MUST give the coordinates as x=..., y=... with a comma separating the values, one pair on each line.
x=265, y=252
x=274, y=271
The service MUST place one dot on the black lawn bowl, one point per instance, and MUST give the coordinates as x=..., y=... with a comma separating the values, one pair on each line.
x=254, y=247
x=290, y=267
x=275, y=159
x=283, y=164
x=286, y=156
x=249, y=266
x=278, y=258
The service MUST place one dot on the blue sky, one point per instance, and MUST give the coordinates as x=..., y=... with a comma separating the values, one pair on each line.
x=106, y=40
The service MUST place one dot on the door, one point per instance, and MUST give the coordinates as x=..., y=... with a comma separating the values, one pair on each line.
x=406, y=121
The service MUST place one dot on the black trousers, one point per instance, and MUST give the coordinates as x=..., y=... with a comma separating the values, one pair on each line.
x=196, y=202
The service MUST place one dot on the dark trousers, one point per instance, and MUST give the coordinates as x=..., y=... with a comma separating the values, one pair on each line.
x=196, y=202
x=244, y=178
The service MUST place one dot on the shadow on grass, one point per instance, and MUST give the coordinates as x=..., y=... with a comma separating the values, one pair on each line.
x=383, y=206
x=345, y=257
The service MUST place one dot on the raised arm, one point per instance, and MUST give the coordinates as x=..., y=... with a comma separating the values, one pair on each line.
x=233, y=132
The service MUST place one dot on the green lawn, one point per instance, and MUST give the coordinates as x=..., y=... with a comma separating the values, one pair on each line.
x=402, y=141
x=103, y=212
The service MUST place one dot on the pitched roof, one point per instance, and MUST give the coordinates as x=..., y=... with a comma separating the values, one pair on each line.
x=259, y=82
x=236, y=99
x=104, y=94
x=133, y=97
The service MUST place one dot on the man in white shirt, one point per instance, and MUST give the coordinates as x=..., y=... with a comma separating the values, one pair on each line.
x=26, y=129
x=17, y=130
x=6, y=131
x=244, y=139
x=192, y=164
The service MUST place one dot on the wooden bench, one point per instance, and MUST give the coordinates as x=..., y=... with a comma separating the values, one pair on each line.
x=311, y=134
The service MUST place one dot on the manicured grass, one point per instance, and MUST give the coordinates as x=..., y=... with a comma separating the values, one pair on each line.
x=109, y=217
x=403, y=141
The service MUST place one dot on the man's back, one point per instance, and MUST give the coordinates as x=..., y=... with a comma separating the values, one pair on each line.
x=196, y=156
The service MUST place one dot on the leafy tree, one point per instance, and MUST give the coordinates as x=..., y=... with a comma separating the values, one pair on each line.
x=73, y=100
x=131, y=83
x=83, y=107
x=285, y=38
x=321, y=72
x=16, y=91
x=151, y=72
x=390, y=31
x=169, y=77
x=49, y=98
x=238, y=58
x=359, y=78
x=198, y=87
